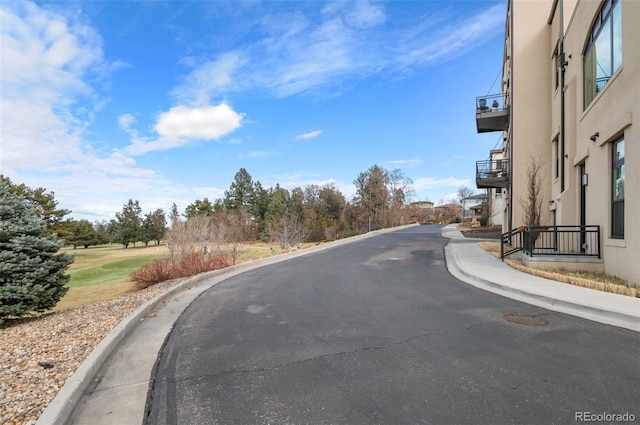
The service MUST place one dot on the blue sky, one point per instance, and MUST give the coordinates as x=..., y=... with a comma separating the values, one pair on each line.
x=163, y=102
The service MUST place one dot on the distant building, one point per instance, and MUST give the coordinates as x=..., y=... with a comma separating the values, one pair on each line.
x=422, y=212
x=422, y=204
x=448, y=213
x=472, y=207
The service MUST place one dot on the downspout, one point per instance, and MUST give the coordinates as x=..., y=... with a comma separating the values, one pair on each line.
x=562, y=63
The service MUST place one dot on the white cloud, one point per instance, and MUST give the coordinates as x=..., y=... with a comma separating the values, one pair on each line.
x=208, y=122
x=210, y=78
x=403, y=163
x=182, y=125
x=45, y=60
x=442, y=38
x=422, y=184
x=125, y=121
x=350, y=41
x=52, y=63
x=365, y=15
x=254, y=154
x=309, y=135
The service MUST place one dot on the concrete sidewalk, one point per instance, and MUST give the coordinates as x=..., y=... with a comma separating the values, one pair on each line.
x=470, y=263
x=111, y=386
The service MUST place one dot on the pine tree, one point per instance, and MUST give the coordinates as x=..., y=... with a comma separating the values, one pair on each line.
x=129, y=223
x=32, y=275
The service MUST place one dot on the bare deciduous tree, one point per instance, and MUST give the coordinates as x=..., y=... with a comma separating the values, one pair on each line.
x=287, y=231
x=464, y=192
x=533, y=198
x=238, y=227
x=189, y=236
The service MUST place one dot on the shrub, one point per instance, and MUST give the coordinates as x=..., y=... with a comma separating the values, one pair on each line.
x=32, y=275
x=483, y=221
x=190, y=265
x=152, y=273
x=195, y=263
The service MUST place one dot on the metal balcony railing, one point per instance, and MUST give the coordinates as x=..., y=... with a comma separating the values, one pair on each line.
x=492, y=173
x=492, y=112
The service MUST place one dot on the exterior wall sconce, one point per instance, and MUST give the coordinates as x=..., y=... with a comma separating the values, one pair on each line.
x=594, y=136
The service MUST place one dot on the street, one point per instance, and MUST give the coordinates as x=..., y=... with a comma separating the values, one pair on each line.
x=377, y=331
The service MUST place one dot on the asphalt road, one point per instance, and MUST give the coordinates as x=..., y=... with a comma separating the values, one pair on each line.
x=378, y=332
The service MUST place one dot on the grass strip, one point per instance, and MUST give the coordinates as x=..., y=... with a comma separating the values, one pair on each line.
x=107, y=272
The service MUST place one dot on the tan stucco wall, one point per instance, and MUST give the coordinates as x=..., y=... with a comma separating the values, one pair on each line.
x=536, y=122
x=531, y=98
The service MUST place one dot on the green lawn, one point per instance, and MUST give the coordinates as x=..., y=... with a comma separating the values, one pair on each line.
x=100, y=273
x=107, y=272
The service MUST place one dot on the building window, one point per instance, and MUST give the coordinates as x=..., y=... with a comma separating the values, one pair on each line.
x=556, y=158
x=556, y=66
x=603, y=55
x=617, y=192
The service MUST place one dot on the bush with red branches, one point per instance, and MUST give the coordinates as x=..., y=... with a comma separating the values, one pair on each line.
x=190, y=265
x=194, y=263
x=152, y=273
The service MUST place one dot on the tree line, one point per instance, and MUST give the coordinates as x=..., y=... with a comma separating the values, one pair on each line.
x=248, y=211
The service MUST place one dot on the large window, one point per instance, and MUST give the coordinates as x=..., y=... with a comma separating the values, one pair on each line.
x=617, y=191
x=603, y=55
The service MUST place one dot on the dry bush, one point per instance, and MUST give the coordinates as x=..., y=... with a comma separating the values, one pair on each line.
x=194, y=263
x=152, y=273
x=190, y=265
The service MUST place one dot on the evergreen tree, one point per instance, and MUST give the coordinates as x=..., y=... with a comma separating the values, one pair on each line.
x=32, y=275
x=43, y=203
x=174, y=215
x=259, y=203
x=82, y=233
x=129, y=223
x=240, y=191
x=154, y=226
x=204, y=207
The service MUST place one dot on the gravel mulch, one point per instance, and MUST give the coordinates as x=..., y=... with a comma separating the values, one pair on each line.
x=38, y=355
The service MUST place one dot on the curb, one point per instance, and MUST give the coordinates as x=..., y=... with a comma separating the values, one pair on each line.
x=61, y=407
x=609, y=317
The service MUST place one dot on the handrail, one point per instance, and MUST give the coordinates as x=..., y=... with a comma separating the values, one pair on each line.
x=508, y=239
x=552, y=240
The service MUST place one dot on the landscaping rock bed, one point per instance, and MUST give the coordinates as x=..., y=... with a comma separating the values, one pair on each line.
x=39, y=354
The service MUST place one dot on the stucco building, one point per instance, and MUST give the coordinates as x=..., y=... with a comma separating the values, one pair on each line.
x=570, y=96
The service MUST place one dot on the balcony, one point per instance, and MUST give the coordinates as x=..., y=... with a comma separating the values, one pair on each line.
x=492, y=113
x=492, y=173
